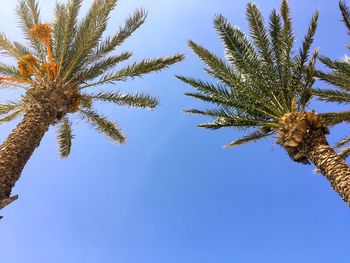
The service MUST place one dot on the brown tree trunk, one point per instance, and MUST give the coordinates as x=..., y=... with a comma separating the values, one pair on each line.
x=19, y=146
x=329, y=163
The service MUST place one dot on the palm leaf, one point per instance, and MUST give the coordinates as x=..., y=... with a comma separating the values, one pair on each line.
x=344, y=153
x=29, y=15
x=100, y=67
x=329, y=95
x=88, y=35
x=137, y=70
x=9, y=71
x=345, y=14
x=138, y=100
x=9, y=48
x=217, y=67
x=103, y=125
x=69, y=28
x=64, y=138
x=259, y=34
x=132, y=23
x=8, y=107
x=333, y=118
x=254, y=136
x=11, y=115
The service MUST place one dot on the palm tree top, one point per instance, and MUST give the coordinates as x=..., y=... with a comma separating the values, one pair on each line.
x=62, y=58
x=262, y=78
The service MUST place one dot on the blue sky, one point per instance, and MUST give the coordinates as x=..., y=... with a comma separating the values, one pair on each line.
x=172, y=193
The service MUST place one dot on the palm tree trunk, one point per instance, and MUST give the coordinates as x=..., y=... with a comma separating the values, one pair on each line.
x=329, y=163
x=19, y=146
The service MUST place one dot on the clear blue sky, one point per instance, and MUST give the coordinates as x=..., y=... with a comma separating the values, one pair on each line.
x=172, y=194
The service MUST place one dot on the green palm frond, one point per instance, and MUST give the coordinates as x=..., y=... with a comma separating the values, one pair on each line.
x=64, y=137
x=227, y=118
x=9, y=48
x=100, y=67
x=342, y=142
x=345, y=11
x=259, y=34
x=10, y=71
x=131, y=24
x=137, y=69
x=137, y=100
x=288, y=41
x=67, y=26
x=345, y=153
x=254, y=136
x=304, y=53
x=334, y=118
x=239, y=51
x=335, y=79
x=334, y=95
x=60, y=22
x=103, y=125
x=29, y=15
x=9, y=107
x=88, y=35
x=275, y=31
x=217, y=67
x=260, y=78
x=11, y=115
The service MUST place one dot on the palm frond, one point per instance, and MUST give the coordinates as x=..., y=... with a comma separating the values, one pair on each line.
x=304, y=52
x=137, y=100
x=239, y=50
x=334, y=79
x=100, y=67
x=10, y=71
x=259, y=34
x=276, y=36
x=103, y=125
x=221, y=95
x=9, y=48
x=227, y=118
x=68, y=28
x=59, y=24
x=11, y=115
x=64, y=137
x=254, y=136
x=88, y=35
x=217, y=67
x=345, y=14
x=137, y=70
x=334, y=95
x=288, y=42
x=342, y=142
x=29, y=15
x=8, y=107
x=334, y=118
x=131, y=24
x=344, y=153
x=207, y=88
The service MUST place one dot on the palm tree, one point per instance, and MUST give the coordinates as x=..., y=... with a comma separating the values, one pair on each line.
x=60, y=62
x=264, y=88
x=340, y=78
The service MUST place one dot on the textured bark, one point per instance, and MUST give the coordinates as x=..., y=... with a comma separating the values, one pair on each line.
x=19, y=146
x=333, y=167
x=46, y=104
